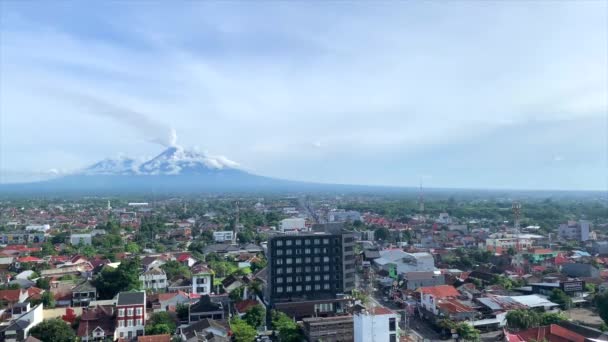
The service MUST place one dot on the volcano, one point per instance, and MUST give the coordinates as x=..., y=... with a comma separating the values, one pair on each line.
x=175, y=170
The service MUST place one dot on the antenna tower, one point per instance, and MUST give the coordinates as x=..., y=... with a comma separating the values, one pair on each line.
x=421, y=199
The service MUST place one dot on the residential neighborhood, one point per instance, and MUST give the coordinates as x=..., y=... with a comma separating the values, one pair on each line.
x=283, y=269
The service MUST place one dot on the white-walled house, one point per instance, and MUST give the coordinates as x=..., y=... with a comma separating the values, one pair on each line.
x=154, y=279
x=18, y=329
x=223, y=236
x=202, y=279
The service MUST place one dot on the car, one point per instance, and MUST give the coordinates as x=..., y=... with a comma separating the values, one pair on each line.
x=385, y=299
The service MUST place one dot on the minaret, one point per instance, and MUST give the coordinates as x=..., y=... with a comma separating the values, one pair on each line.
x=109, y=206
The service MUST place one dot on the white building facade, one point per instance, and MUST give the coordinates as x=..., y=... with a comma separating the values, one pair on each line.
x=377, y=325
x=575, y=230
x=223, y=236
x=154, y=279
x=292, y=224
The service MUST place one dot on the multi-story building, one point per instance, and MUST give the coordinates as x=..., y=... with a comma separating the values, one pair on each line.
x=600, y=247
x=309, y=273
x=329, y=329
x=81, y=239
x=292, y=224
x=83, y=294
x=21, y=237
x=502, y=244
x=376, y=325
x=573, y=230
x=344, y=216
x=223, y=236
x=202, y=279
x=154, y=279
x=130, y=315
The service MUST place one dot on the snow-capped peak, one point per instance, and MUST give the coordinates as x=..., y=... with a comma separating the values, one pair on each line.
x=172, y=161
x=121, y=166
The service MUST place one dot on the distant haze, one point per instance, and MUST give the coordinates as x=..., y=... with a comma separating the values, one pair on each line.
x=474, y=94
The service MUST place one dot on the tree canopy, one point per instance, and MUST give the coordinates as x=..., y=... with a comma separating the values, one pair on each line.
x=53, y=330
x=242, y=331
x=124, y=278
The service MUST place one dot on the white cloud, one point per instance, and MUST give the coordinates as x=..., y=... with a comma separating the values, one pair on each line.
x=255, y=86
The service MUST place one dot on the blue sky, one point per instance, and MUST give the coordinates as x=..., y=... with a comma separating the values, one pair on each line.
x=459, y=94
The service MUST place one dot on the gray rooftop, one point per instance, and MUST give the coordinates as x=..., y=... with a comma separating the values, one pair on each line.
x=131, y=298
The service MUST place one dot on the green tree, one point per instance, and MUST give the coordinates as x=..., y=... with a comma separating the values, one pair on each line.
x=255, y=316
x=132, y=247
x=381, y=234
x=467, y=332
x=174, y=270
x=522, y=319
x=288, y=329
x=159, y=329
x=560, y=297
x=124, y=278
x=601, y=302
x=183, y=311
x=47, y=299
x=548, y=318
x=242, y=332
x=53, y=330
x=162, y=318
x=42, y=283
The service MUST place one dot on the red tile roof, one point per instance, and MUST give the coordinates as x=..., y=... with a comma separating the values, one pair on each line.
x=245, y=305
x=11, y=296
x=441, y=291
x=551, y=333
x=29, y=259
x=154, y=338
x=453, y=306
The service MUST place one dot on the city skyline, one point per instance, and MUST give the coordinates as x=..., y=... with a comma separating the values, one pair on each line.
x=458, y=95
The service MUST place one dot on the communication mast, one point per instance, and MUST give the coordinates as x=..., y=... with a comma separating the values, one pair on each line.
x=516, y=216
x=421, y=200
x=235, y=227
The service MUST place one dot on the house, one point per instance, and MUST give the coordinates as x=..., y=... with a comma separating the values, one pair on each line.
x=166, y=301
x=150, y=262
x=456, y=310
x=96, y=324
x=11, y=297
x=186, y=259
x=205, y=308
x=130, y=315
x=414, y=280
x=154, y=279
x=81, y=239
x=18, y=329
x=430, y=295
x=202, y=279
x=205, y=328
x=231, y=282
x=600, y=247
x=223, y=236
x=244, y=305
x=83, y=294
x=539, y=255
